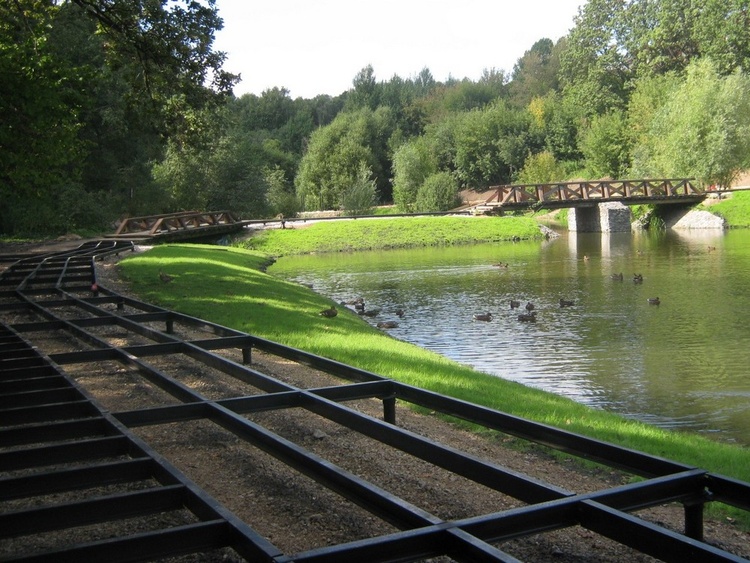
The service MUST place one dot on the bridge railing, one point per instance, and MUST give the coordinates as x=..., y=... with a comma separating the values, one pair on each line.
x=155, y=224
x=530, y=194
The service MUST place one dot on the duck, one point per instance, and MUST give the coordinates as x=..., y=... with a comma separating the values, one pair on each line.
x=329, y=313
x=654, y=301
x=529, y=306
x=514, y=304
x=617, y=277
x=566, y=303
x=529, y=317
x=370, y=313
x=483, y=317
x=400, y=313
x=166, y=278
x=387, y=324
x=637, y=278
x=585, y=257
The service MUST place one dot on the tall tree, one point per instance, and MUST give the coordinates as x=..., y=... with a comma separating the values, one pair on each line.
x=702, y=130
x=536, y=72
x=365, y=92
x=491, y=145
x=336, y=153
x=101, y=85
x=594, y=69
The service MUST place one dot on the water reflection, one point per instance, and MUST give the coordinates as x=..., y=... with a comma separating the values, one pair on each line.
x=681, y=364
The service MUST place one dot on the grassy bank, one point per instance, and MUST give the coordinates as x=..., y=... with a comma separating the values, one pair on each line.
x=228, y=286
x=388, y=233
x=736, y=209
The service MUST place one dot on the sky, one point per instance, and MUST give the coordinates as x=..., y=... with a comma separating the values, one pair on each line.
x=313, y=47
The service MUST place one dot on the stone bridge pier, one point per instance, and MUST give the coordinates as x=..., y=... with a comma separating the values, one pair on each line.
x=611, y=217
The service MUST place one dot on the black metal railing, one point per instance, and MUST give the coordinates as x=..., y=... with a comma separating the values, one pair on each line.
x=55, y=437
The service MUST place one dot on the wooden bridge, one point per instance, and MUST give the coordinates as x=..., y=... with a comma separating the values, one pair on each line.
x=586, y=194
x=178, y=226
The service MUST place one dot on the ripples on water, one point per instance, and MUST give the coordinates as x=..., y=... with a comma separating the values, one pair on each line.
x=682, y=364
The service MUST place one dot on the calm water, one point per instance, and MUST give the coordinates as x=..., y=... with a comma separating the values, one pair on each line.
x=682, y=364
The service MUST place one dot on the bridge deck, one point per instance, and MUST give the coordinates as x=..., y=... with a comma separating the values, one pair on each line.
x=584, y=194
x=178, y=226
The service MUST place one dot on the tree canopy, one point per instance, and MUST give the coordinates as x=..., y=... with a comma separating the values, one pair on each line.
x=113, y=107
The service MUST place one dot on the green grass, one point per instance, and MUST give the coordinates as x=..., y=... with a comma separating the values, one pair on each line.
x=228, y=286
x=736, y=210
x=388, y=233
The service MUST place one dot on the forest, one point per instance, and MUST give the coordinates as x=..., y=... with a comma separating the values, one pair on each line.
x=113, y=108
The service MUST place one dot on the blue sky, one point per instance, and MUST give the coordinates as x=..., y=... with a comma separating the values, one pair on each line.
x=316, y=47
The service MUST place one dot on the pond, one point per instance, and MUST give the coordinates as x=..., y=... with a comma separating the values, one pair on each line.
x=684, y=363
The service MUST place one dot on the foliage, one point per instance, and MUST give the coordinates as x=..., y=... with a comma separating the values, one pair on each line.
x=536, y=73
x=401, y=232
x=413, y=163
x=91, y=90
x=128, y=108
x=605, y=147
x=439, y=192
x=361, y=196
x=541, y=168
x=39, y=145
x=335, y=153
x=702, y=130
x=281, y=197
x=593, y=67
x=491, y=144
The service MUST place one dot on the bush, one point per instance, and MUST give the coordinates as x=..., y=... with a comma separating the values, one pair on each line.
x=361, y=196
x=438, y=193
x=541, y=168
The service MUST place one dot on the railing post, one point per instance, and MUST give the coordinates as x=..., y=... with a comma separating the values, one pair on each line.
x=694, y=520
x=170, y=326
x=389, y=409
x=247, y=352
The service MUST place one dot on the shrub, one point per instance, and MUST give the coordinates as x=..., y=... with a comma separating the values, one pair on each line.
x=438, y=193
x=361, y=196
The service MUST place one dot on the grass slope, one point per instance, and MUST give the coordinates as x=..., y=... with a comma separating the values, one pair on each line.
x=736, y=210
x=228, y=286
x=401, y=232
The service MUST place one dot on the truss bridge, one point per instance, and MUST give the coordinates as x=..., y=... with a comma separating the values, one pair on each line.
x=587, y=194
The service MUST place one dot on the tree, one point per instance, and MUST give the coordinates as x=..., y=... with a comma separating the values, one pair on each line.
x=659, y=36
x=605, y=145
x=39, y=146
x=702, y=130
x=361, y=196
x=722, y=33
x=335, y=153
x=280, y=196
x=541, y=168
x=536, y=72
x=93, y=89
x=491, y=144
x=594, y=70
x=366, y=91
x=413, y=163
